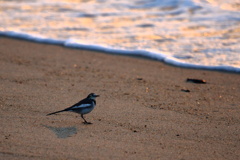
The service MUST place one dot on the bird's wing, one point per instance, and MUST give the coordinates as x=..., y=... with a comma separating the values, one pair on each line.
x=81, y=104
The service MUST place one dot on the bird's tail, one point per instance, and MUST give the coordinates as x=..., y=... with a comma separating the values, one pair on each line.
x=55, y=112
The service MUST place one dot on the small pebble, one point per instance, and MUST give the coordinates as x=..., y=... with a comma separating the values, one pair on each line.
x=200, y=81
x=185, y=90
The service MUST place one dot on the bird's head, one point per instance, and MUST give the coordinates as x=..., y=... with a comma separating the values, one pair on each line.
x=92, y=96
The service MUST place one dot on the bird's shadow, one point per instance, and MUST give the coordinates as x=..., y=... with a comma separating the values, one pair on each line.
x=63, y=132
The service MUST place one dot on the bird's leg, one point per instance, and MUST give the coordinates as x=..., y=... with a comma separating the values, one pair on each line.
x=85, y=122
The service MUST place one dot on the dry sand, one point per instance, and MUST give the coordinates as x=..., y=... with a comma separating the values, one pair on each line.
x=142, y=112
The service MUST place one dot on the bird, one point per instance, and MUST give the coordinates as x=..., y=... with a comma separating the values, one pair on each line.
x=84, y=106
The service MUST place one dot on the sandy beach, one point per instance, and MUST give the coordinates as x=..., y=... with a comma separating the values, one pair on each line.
x=146, y=109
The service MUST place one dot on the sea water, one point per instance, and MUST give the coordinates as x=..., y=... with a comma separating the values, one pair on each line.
x=201, y=34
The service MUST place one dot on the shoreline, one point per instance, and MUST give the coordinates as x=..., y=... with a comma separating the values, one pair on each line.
x=146, y=109
x=224, y=68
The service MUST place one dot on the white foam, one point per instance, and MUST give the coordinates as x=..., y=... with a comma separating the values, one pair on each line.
x=34, y=38
x=71, y=43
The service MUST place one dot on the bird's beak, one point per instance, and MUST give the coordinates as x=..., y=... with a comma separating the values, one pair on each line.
x=97, y=95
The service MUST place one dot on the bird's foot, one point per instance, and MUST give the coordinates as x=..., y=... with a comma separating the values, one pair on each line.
x=87, y=122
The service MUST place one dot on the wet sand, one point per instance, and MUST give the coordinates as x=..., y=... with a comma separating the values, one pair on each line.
x=146, y=109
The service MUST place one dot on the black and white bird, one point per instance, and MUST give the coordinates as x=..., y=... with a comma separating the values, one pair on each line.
x=84, y=106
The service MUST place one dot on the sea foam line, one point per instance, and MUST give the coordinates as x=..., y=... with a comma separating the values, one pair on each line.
x=71, y=43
